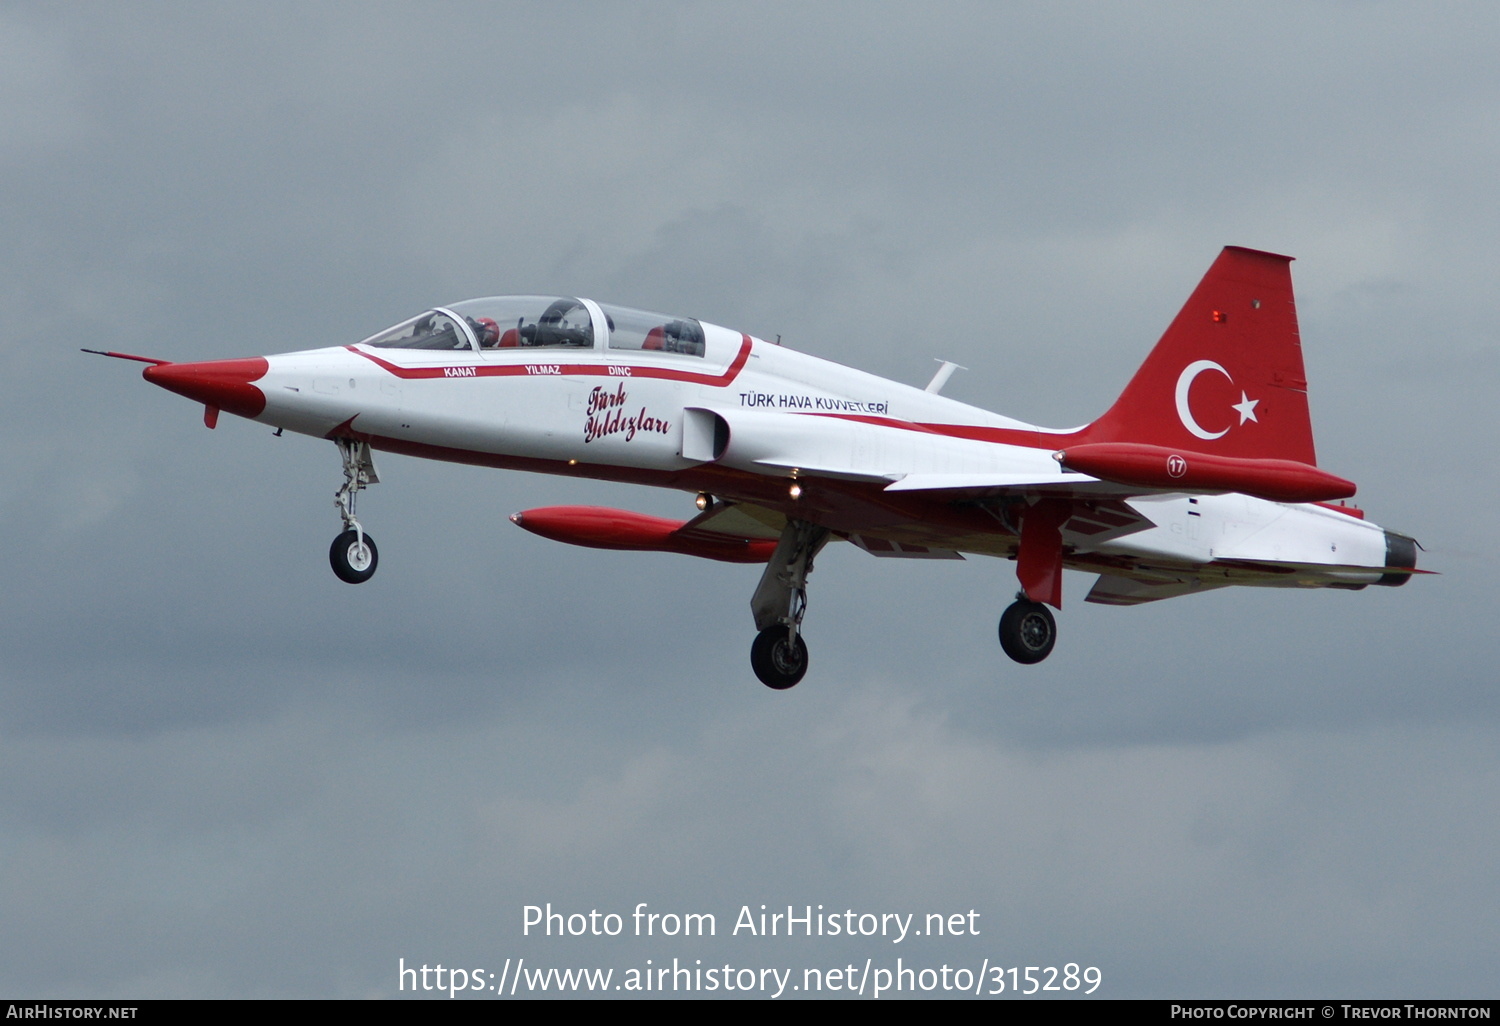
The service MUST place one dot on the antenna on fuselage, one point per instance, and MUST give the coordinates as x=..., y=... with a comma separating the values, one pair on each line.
x=941, y=377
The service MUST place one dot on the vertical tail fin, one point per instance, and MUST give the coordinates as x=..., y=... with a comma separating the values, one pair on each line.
x=1227, y=377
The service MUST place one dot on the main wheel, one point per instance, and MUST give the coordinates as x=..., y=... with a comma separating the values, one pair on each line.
x=1028, y=632
x=777, y=662
x=352, y=562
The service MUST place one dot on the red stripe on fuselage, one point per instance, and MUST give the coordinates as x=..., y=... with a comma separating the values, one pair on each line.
x=602, y=370
x=1030, y=438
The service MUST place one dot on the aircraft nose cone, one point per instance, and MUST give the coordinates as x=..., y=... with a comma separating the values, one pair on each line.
x=225, y=384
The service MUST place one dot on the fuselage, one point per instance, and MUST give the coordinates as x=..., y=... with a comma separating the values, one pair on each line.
x=740, y=418
x=1202, y=474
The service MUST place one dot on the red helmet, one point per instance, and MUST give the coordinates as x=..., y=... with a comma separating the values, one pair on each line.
x=489, y=332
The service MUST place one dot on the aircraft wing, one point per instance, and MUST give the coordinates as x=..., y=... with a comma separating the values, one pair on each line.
x=988, y=486
x=737, y=520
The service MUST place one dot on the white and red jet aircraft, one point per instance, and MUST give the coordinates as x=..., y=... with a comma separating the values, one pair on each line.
x=1201, y=475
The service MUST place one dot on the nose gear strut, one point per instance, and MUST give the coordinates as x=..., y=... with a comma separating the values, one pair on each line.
x=353, y=555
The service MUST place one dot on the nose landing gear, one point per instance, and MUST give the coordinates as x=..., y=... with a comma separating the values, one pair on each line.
x=353, y=555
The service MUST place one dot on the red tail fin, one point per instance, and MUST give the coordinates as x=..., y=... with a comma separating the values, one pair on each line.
x=1227, y=376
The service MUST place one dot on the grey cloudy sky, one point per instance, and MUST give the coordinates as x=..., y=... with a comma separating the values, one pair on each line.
x=228, y=774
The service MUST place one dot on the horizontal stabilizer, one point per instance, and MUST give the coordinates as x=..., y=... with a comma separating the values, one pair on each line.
x=1110, y=590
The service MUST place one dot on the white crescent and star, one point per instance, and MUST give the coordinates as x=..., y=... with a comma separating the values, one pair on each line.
x=1245, y=407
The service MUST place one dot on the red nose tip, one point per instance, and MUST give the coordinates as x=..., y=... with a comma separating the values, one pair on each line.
x=221, y=383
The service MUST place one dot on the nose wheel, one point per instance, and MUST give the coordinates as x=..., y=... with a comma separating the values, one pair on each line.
x=353, y=555
x=1027, y=631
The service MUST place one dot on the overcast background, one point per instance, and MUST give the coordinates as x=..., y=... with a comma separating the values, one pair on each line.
x=225, y=773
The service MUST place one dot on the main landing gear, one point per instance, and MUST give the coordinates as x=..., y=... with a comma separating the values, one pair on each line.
x=1027, y=630
x=353, y=554
x=779, y=655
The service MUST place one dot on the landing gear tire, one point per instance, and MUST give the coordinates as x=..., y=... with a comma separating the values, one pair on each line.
x=777, y=661
x=352, y=562
x=1028, y=632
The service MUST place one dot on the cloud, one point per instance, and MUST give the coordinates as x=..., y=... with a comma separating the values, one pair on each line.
x=275, y=784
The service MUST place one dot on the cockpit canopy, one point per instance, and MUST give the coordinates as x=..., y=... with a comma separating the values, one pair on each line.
x=527, y=322
x=638, y=329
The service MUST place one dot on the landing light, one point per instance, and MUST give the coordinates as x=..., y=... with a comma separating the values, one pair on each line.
x=704, y=500
x=796, y=491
